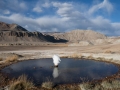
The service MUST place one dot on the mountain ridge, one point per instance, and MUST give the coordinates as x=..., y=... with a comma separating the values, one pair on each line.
x=16, y=33
x=11, y=27
x=80, y=35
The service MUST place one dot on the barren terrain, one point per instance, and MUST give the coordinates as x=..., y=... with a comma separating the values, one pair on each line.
x=17, y=44
x=111, y=52
x=108, y=53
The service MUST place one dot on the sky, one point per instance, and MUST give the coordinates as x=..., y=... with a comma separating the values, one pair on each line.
x=63, y=15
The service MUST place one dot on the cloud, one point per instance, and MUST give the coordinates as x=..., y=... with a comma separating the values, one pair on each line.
x=116, y=28
x=6, y=12
x=23, y=5
x=46, y=4
x=12, y=6
x=105, y=5
x=64, y=9
x=71, y=16
x=37, y=9
x=65, y=16
x=40, y=24
x=100, y=22
x=40, y=5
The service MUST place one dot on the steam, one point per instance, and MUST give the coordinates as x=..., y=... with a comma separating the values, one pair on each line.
x=55, y=72
x=56, y=60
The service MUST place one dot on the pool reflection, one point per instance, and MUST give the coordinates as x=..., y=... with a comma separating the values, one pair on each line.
x=69, y=70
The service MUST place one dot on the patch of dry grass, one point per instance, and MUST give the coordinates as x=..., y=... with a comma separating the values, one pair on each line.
x=100, y=58
x=22, y=83
x=108, y=51
x=91, y=86
x=111, y=84
x=48, y=85
x=104, y=85
x=12, y=58
x=75, y=55
x=90, y=57
x=67, y=87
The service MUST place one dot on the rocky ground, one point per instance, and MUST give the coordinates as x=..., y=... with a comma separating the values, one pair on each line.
x=109, y=53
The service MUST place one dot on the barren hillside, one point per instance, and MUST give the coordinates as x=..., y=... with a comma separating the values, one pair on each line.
x=16, y=33
x=80, y=35
x=10, y=27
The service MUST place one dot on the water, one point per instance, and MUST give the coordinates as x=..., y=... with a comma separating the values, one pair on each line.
x=68, y=71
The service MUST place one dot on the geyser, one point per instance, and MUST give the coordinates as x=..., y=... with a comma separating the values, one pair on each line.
x=56, y=60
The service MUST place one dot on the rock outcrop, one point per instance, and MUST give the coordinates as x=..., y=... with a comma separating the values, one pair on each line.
x=10, y=27
x=16, y=33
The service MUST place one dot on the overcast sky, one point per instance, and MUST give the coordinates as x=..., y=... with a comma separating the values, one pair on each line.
x=63, y=15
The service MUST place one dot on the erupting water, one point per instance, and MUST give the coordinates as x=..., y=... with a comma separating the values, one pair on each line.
x=56, y=60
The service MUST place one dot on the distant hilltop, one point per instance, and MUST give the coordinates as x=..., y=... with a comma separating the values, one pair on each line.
x=80, y=35
x=10, y=27
x=16, y=33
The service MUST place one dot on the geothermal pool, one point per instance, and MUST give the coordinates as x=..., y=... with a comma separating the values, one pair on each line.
x=69, y=70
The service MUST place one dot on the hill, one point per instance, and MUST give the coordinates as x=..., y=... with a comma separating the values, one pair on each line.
x=80, y=35
x=16, y=33
x=10, y=27
x=13, y=33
